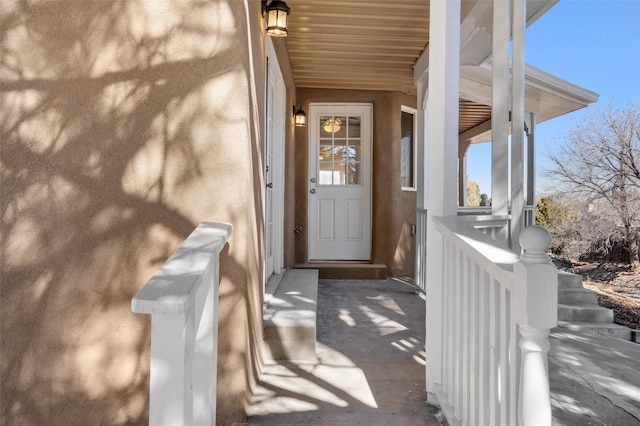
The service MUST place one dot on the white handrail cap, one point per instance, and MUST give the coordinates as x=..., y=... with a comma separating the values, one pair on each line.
x=535, y=239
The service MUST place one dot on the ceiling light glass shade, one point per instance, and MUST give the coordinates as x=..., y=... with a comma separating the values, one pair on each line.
x=277, y=12
x=332, y=125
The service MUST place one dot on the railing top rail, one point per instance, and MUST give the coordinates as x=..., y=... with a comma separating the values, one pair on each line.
x=483, y=210
x=480, y=210
x=493, y=256
x=172, y=288
x=487, y=220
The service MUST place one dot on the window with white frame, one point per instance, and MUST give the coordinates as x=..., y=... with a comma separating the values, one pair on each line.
x=408, y=148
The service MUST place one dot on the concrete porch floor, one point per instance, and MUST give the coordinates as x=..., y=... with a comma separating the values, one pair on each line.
x=370, y=367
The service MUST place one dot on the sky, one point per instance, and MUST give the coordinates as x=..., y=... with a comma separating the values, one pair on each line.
x=594, y=44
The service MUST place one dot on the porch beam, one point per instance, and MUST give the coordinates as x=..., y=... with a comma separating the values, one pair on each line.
x=475, y=91
x=421, y=68
x=442, y=142
x=475, y=131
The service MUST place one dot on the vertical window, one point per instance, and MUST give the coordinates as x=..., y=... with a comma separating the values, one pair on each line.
x=408, y=149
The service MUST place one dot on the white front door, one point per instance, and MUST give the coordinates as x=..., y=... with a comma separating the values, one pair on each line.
x=340, y=181
x=270, y=113
x=273, y=165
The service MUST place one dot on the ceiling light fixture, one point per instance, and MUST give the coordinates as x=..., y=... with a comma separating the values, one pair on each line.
x=332, y=125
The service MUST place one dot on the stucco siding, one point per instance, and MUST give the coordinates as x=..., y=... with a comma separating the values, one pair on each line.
x=124, y=125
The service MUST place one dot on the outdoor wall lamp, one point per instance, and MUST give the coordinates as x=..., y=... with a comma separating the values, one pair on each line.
x=276, y=12
x=299, y=117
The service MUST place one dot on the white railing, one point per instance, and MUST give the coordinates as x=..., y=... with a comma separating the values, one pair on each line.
x=421, y=248
x=529, y=215
x=497, y=312
x=529, y=212
x=496, y=227
x=182, y=299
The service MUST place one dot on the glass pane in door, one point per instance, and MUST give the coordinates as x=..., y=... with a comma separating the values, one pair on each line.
x=339, y=153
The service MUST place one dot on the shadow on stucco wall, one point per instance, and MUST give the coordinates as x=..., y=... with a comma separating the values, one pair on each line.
x=112, y=112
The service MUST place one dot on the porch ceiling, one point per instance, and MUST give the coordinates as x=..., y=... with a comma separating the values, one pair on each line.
x=374, y=45
x=363, y=45
x=357, y=44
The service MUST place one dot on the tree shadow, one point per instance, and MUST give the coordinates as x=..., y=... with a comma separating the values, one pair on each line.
x=370, y=367
x=105, y=169
x=594, y=379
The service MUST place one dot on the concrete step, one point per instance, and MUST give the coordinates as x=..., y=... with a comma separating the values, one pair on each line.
x=567, y=280
x=270, y=289
x=577, y=296
x=578, y=310
x=604, y=329
x=346, y=270
x=289, y=320
x=584, y=313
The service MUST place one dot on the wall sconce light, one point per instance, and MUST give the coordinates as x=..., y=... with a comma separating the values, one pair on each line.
x=299, y=117
x=332, y=125
x=276, y=12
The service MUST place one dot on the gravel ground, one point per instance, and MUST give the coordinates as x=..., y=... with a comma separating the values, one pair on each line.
x=617, y=288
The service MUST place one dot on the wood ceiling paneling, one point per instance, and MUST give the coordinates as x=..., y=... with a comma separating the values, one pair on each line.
x=357, y=44
x=471, y=115
x=363, y=45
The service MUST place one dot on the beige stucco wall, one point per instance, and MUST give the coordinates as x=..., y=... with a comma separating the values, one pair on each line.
x=124, y=125
x=393, y=209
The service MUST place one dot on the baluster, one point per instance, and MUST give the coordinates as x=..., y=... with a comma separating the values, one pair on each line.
x=447, y=323
x=457, y=318
x=485, y=349
x=503, y=331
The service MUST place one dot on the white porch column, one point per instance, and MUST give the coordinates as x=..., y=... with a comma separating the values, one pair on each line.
x=517, y=124
x=531, y=161
x=463, y=148
x=500, y=112
x=442, y=142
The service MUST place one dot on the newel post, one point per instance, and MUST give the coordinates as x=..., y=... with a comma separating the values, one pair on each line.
x=182, y=299
x=536, y=312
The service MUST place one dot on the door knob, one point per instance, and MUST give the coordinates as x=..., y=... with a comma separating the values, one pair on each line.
x=313, y=180
x=312, y=190
x=270, y=185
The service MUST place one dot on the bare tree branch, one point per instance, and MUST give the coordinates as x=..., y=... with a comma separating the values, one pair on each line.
x=599, y=164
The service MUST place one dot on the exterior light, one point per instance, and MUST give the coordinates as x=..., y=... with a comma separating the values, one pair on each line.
x=299, y=117
x=332, y=125
x=277, y=12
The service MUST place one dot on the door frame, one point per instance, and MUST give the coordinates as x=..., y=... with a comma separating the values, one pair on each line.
x=278, y=150
x=313, y=110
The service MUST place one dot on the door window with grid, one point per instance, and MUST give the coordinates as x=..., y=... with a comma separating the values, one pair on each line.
x=340, y=150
